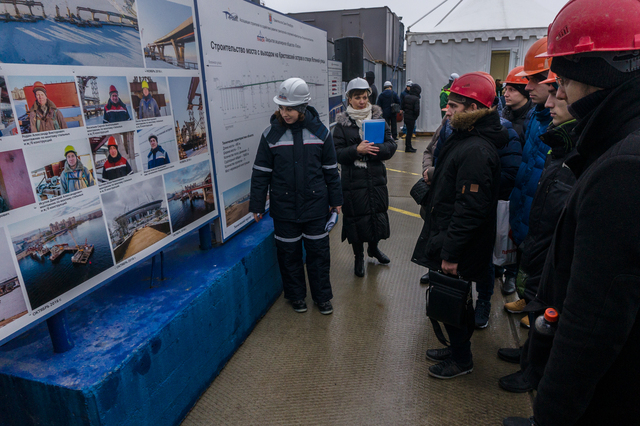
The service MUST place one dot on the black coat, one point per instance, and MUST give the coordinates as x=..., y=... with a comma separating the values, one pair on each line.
x=297, y=164
x=592, y=273
x=385, y=99
x=364, y=182
x=519, y=119
x=553, y=189
x=461, y=211
x=411, y=103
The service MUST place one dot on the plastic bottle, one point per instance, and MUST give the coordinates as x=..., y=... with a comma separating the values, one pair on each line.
x=547, y=324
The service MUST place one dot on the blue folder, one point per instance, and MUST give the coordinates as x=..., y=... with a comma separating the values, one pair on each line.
x=373, y=130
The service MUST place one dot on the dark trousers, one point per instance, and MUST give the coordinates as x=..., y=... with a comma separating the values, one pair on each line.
x=358, y=248
x=460, y=340
x=289, y=239
x=484, y=286
x=393, y=124
x=411, y=124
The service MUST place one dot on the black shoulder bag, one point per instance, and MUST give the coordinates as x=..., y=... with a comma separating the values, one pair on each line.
x=449, y=301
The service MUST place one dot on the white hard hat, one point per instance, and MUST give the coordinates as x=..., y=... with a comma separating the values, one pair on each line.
x=293, y=91
x=387, y=84
x=454, y=76
x=409, y=83
x=358, y=83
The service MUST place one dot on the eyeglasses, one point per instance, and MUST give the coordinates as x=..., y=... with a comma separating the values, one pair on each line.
x=561, y=81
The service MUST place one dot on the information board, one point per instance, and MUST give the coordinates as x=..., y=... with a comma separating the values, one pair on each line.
x=104, y=148
x=248, y=51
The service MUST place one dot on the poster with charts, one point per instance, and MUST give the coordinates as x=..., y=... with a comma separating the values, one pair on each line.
x=248, y=51
x=104, y=145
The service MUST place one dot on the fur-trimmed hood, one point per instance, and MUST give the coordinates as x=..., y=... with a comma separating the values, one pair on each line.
x=483, y=122
x=465, y=120
x=344, y=120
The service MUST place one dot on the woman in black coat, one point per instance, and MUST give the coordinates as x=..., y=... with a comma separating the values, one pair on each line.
x=364, y=176
x=411, y=108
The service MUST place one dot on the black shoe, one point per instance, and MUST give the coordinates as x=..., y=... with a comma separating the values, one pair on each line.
x=509, y=285
x=483, y=310
x=515, y=383
x=325, y=307
x=510, y=354
x=448, y=369
x=299, y=306
x=410, y=149
x=438, y=354
x=517, y=421
x=358, y=268
x=424, y=279
x=380, y=256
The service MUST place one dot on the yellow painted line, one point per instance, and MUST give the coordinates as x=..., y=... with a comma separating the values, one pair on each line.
x=404, y=212
x=402, y=171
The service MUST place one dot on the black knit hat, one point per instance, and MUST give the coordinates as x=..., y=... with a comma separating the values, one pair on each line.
x=593, y=71
x=302, y=108
x=520, y=88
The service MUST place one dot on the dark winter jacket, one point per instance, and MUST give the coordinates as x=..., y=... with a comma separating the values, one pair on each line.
x=115, y=168
x=411, y=103
x=554, y=186
x=404, y=93
x=148, y=108
x=461, y=210
x=510, y=159
x=46, y=118
x=364, y=182
x=533, y=158
x=157, y=157
x=115, y=112
x=385, y=99
x=592, y=273
x=519, y=119
x=297, y=164
x=373, y=97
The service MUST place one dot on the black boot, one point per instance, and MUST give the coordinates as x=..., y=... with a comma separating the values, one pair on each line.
x=374, y=251
x=358, y=251
x=409, y=148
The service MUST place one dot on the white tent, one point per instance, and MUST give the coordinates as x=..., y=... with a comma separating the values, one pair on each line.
x=470, y=35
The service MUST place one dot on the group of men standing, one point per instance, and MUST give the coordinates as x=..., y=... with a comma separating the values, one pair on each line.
x=575, y=107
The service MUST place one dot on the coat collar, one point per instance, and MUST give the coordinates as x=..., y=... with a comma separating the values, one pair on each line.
x=345, y=121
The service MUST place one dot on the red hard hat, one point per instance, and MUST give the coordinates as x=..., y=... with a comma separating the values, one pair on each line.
x=513, y=78
x=112, y=142
x=477, y=85
x=590, y=26
x=551, y=78
x=534, y=64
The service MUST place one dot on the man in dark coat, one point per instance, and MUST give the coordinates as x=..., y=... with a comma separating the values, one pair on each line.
x=116, y=166
x=459, y=231
x=386, y=99
x=411, y=107
x=115, y=110
x=157, y=156
x=592, y=272
x=370, y=76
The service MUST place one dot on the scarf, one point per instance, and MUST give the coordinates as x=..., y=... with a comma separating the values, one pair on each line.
x=359, y=115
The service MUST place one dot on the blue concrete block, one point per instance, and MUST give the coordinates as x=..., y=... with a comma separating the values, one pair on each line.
x=144, y=353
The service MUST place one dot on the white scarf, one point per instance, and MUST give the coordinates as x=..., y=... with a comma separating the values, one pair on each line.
x=359, y=115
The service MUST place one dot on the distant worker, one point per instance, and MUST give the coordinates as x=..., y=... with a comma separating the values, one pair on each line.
x=444, y=93
x=389, y=101
x=116, y=165
x=498, y=87
x=296, y=165
x=406, y=90
x=43, y=114
x=148, y=107
x=157, y=156
x=371, y=79
x=411, y=108
x=115, y=110
x=75, y=175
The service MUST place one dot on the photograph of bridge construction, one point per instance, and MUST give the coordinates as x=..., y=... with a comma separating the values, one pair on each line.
x=7, y=120
x=96, y=93
x=15, y=186
x=189, y=194
x=189, y=116
x=168, y=35
x=12, y=303
x=236, y=202
x=61, y=249
x=136, y=216
x=70, y=32
x=48, y=166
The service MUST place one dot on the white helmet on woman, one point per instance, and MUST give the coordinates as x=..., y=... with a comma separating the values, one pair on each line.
x=293, y=91
x=358, y=83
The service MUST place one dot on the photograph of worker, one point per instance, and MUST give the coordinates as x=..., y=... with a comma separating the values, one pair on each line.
x=12, y=303
x=236, y=202
x=60, y=168
x=61, y=248
x=189, y=194
x=114, y=156
x=73, y=32
x=157, y=146
x=150, y=97
x=189, y=115
x=15, y=187
x=105, y=99
x=136, y=216
x=45, y=103
x=7, y=119
x=168, y=36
